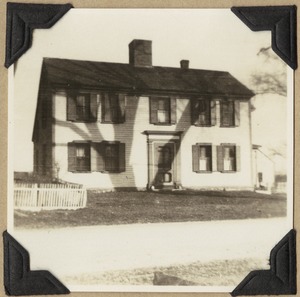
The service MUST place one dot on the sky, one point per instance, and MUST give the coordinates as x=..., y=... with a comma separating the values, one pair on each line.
x=210, y=38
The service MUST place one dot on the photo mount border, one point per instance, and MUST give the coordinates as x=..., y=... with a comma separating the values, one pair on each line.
x=287, y=246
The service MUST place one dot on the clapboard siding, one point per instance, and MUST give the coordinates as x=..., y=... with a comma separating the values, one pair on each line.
x=131, y=133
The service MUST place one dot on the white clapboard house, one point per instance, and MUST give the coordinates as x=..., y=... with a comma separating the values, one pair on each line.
x=112, y=125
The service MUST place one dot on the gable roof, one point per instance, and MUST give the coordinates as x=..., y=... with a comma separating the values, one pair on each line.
x=125, y=77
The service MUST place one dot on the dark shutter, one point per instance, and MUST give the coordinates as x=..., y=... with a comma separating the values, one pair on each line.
x=97, y=156
x=122, y=162
x=237, y=112
x=71, y=156
x=238, y=158
x=213, y=112
x=173, y=110
x=71, y=108
x=122, y=108
x=214, y=157
x=220, y=158
x=153, y=101
x=195, y=111
x=195, y=155
x=93, y=107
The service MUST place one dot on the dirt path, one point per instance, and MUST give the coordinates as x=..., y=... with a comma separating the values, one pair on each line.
x=71, y=251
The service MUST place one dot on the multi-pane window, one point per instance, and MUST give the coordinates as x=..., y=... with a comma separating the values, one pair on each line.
x=228, y=158
x=113, y=108
x=111, y=157
x=82, y=157
x=205, y=157
x=223, y=158
x=91, y=156
x=228, y=114
x=162, y=110
x=203, y=112
x=202, y=157
x=83, y=107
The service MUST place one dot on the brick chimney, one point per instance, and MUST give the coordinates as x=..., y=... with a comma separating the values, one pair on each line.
x=184, y=64
x=140, y=53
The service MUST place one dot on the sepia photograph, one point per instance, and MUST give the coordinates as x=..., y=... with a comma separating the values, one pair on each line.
x=150, y=150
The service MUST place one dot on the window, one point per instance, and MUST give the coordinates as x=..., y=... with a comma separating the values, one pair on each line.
x=229, y=113
x=79, y=156
x=113, y=108
x=112, y=157
x=83, y=157
x=162, y=110
x=203, y=112
x=82, y=107
x=202, y=157
x=92, y=156
x=228, y=156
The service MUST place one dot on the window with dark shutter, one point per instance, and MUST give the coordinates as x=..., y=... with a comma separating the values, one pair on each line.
x=162, y=110
x=228, y=158
x=227, y=113
x=79, y=157
x=202, y=157
x=96, y=157
x=83, y=158
x=203, y=112
x=114, y=157
x=82, y=107
x=113, y=108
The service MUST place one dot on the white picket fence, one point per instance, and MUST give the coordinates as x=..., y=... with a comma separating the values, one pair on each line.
x=49, y=196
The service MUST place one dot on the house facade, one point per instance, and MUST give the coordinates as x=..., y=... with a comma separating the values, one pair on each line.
x=113, y=125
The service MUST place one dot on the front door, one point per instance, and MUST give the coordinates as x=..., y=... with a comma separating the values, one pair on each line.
x=164, y=154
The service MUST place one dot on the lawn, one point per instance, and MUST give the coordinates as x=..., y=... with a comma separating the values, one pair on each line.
x=113, y=208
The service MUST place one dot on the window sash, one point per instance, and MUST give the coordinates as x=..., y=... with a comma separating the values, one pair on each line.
x=204, y=111
x=113, y=109
x=229, y=158
x=112, y=157
x=83, y=107
x=163, y=110
x=83, y=157
x=227, y=109
x=205, y=160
